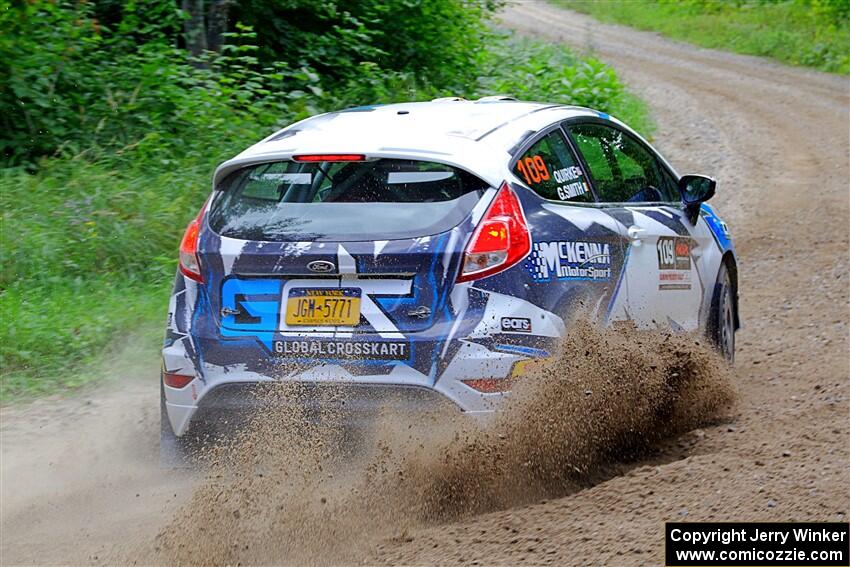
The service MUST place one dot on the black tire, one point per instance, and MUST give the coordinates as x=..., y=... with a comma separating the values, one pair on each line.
x=173, y=451
x=721, y=328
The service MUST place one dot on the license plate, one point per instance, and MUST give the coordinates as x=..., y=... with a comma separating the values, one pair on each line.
x=323, y=306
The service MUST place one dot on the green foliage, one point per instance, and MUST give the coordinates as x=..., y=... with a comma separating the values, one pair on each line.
x=111, y=133
x=835, y=12
x=53, y=334
x=814, y=33
x=75, y=83
x=532, y=70
x=72, y=89
x=74, y=218
x=438, y=40
x=78, y=86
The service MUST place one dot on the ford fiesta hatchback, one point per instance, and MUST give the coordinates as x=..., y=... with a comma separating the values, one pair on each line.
x=425, y=252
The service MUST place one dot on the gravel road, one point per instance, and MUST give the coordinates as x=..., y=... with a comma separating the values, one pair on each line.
x=80, y=477
x=776, y=138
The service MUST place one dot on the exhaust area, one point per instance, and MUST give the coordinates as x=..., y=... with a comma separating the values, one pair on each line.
x=296, y=490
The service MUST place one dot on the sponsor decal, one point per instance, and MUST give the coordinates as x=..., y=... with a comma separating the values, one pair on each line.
x=570, y=260
x=343, y=350
x=516, y=325
x=674, y=262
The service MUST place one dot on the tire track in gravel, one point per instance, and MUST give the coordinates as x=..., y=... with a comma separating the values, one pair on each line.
x=776, y=138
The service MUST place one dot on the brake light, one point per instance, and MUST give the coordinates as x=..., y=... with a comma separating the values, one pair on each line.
x=329, y=157
x=189, y=265
x=500, y=240
x=176, y=380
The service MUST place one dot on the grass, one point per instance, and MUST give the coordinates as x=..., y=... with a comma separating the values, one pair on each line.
x=89, y=243
x=60, y=333
x=807, y=33
x=88, y=259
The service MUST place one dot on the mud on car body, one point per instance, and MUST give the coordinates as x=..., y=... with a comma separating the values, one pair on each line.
x=430, y=250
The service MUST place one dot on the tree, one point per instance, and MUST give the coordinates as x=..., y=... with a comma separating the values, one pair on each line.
x=205, y=24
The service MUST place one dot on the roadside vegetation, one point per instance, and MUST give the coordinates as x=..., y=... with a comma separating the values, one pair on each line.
x=114, y=114
x=811, y=33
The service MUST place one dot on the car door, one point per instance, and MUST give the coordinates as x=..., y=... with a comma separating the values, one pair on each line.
x=577, y=249
x=662, y=273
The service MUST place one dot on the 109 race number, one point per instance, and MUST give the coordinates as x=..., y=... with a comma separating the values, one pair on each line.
x=533, y=169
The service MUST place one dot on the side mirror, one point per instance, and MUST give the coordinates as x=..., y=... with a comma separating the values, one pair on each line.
x=696, y=189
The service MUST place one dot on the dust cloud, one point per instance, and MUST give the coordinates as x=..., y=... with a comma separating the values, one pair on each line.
x=293, y=488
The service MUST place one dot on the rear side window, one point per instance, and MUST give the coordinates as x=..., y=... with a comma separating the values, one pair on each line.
x=381, y=199
x=550, y=168
x=623, y=169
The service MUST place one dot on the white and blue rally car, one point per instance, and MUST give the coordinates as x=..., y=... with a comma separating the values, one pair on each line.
x=424, y=252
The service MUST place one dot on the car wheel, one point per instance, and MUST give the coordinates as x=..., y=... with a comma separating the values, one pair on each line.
x=722, y=324
x=173, y=451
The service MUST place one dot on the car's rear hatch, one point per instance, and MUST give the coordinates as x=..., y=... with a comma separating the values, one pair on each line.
x=337, y=247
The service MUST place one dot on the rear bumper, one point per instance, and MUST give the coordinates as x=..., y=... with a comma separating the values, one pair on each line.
x=225, y=393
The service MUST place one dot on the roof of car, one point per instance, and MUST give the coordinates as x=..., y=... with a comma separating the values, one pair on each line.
x=451, y=130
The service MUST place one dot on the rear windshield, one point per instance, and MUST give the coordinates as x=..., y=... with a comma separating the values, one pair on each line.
x=381, y=199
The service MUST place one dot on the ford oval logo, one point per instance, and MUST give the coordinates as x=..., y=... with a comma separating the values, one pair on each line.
x=321, y=266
